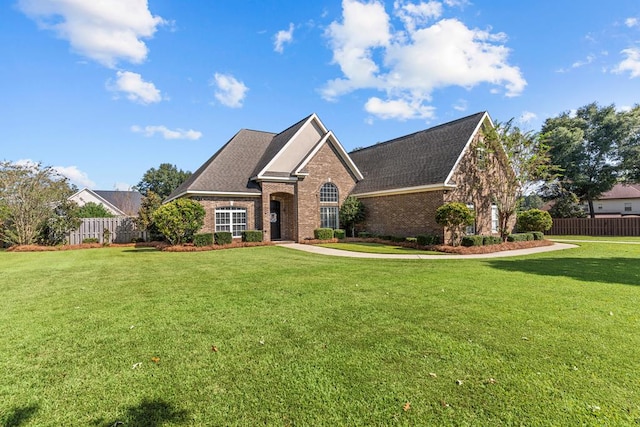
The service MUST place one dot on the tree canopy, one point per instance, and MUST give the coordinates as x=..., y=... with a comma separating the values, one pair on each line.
x=93, y=210
x=162, y=181
x=594, y=149
x=30, y=196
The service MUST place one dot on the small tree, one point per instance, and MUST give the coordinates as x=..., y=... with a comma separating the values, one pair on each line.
x=150, y=203
x=179, y=220
x=534, y=220
x=65, y=218
x=29, y=196
x=455, y=217
x=93, y=210
x=351, y=213
x=567, y=205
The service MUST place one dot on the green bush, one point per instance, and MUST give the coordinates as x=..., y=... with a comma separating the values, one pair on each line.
x=537, y=235
x=520, y=237
x=252, y=236
x=428, y=239
x=365, y=235
x=223, y=237
x=339, y=234
x=491, y=240
x=472, y=240
x=203, y=239
x=90, y=240
x=179, y=220
x=323, y=233
x=534, y=220
x=412, y=239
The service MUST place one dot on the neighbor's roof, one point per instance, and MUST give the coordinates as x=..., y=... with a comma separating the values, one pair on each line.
x=420, y=159
x=622, y=191
x=127, y=201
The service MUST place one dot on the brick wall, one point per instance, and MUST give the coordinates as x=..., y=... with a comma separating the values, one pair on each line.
x=403, y=214
x=326, y=166
x=251, y=204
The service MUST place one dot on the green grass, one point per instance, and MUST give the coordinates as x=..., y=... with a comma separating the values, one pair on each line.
x=633, y=239
x=304, y=339
x=377, y=248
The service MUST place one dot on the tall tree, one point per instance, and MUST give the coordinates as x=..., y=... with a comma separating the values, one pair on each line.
x=29, y=197
x=163, y=180
x=526, y=161
x=586, y=146
x=630, y=147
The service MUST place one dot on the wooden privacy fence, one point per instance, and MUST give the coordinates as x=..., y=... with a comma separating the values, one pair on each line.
x=596, y=226
x=122, y=230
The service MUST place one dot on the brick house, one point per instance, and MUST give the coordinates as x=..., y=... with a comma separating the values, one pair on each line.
x=290, y=183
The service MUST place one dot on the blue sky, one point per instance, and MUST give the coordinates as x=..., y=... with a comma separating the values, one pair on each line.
x=105, y=90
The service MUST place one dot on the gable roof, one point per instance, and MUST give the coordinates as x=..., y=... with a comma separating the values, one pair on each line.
x=126, y=201
x=622, y=191
x=117, y=202
x=253, y=156
x=417, y=161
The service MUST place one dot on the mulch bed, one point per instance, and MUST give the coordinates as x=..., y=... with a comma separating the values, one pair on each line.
x=163, y=246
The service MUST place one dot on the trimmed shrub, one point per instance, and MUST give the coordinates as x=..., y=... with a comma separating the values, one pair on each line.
x=252, y=236
x=428, y=239
x=203, y=239
x=223, y=237
x=179, y=220
x=323, y=233
x=454, y=216
x=339, y=234
x=537, y=235
x=412, y=239
x=365, y=235
x=491, y=240
x=472, y=240
x=519, y=237
x=90, y=240
x=534, y=220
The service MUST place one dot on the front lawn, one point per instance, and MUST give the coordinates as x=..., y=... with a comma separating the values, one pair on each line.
x=273, y=336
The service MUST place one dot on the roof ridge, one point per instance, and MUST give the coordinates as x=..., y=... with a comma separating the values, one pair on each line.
x=420, y=131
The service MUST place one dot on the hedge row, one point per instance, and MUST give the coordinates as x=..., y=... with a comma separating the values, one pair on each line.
x=225, y=238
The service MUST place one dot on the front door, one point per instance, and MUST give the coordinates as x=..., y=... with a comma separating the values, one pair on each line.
x=274, y=219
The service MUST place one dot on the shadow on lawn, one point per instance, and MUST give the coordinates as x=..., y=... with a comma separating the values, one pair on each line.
x=623, y=271
x=149, y=413
x=19, y=416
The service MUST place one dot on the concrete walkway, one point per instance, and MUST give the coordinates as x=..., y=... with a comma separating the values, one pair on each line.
x=337, y=252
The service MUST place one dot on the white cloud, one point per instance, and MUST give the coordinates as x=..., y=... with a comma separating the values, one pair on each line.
x=631, y=22
x=527, y=117
x=588, y=60
x=282, y=37
x=167, y=133
x=398, y=109
x=136, y=89
x=75, y=175
x=230, y=92
x=461, y=105
x=631, y=63
x=410, y=64
x=105, y=31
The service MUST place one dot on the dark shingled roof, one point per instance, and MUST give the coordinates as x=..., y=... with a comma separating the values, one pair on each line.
x=127, y=201
x=422, y=158
x=231, y=167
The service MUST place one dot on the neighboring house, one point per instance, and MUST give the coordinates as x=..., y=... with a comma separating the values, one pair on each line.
x=621, y=200
x=118, y=203
x=290, y=183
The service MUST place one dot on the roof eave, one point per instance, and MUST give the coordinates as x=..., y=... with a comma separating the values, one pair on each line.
x=407, y=190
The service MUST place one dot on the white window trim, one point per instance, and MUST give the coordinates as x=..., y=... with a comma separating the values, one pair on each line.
x=233, y=226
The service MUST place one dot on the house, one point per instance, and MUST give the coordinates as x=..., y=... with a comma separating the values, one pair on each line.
x=290, y=183
x=622, y=200
x=118, y=203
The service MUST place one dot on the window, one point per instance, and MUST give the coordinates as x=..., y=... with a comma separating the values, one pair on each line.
x=329, y=193
x=627, y=207
x=471, y=228
x=329, y=217
x=481, y=158
x=329, y=206
x=231, y=219
x=495, y=221
x=600, y=206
